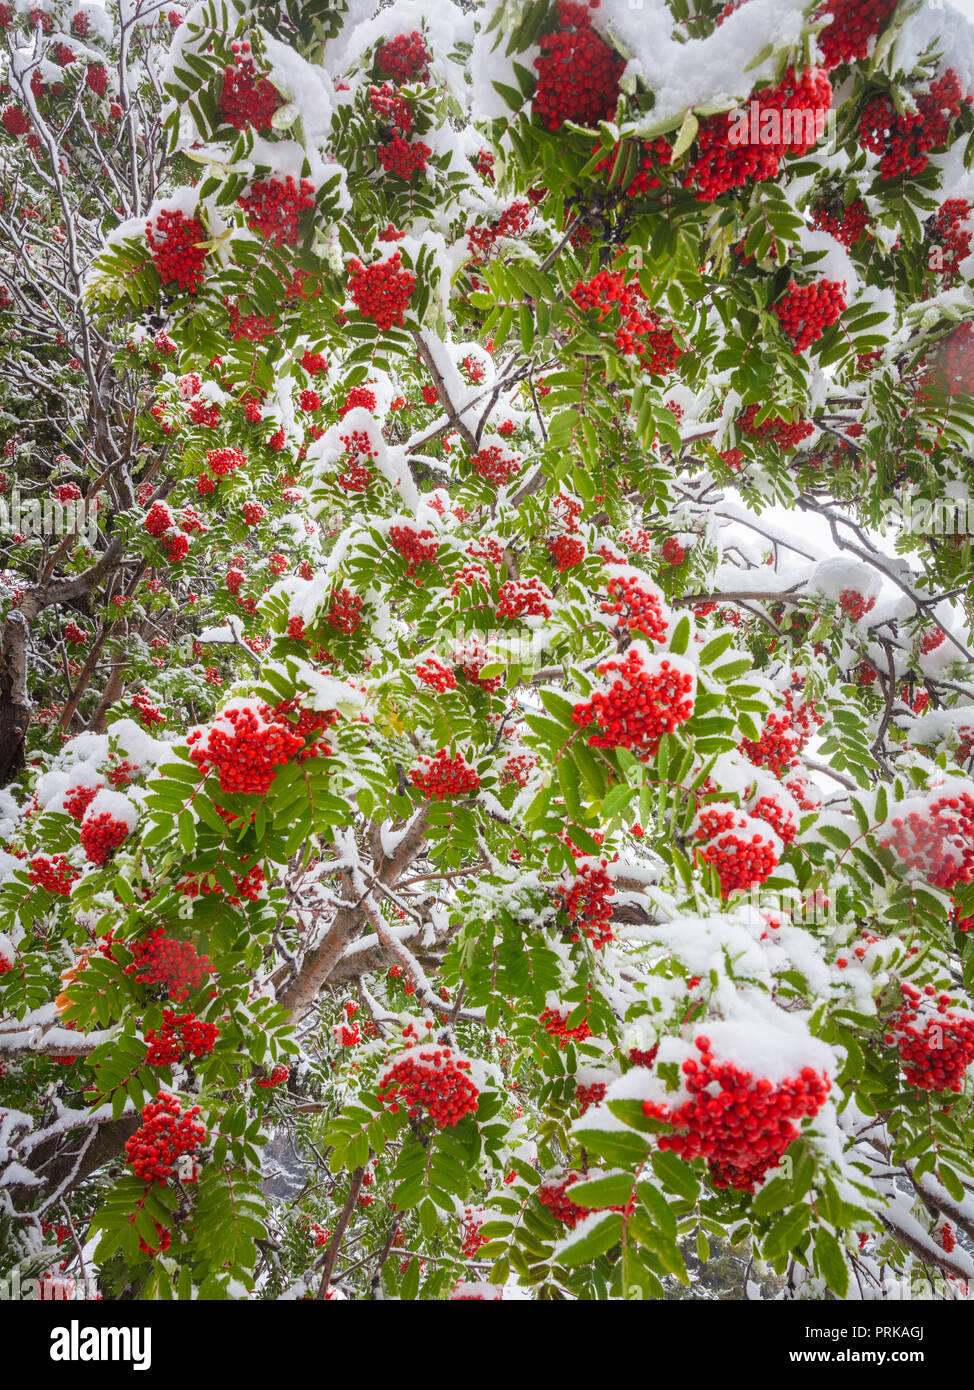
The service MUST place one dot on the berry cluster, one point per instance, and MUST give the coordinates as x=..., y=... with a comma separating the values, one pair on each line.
x=434, y=674
x=957, y=361
x=253, y=513
x=52, y=873
x=166, y=1133
x=246, y=744
x=432, y=1081
x=556, y=1026
x=381, y=291
x=779, y=817
x=777, y=748
x=904, y=140
x=391, y=107
x=806, y=311
x=443, y=776
x=14, y=121
x=846, y=224
x=158, y=959
x=179, y=1033
x=277, y=1078
x=274, y=208
x=854, y=24
x=246, y=98
x=578, y=73
x=855, y=604
x=635, y=608
x=512, y=222
x=640, y=333
x=76, y=801
x=740, y=853
x=495, y=464
x=785, y=433
x=672, y=551
x=796, y=108
x=101, y=835
x=590, y=1095
x=741, y=1126
x=935, y=1045
x=566, y=552
x=414, y=546
x=641, y=704
x=149, y=714
x=403, y=57
x=344, y=612
x=951, y=237
x=939, y=842
x=225, y=461
x=587, y=904
x=177, y=250
x=519, y=598
x=403, y=158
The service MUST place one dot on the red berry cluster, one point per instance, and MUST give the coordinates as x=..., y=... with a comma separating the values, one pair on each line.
x=225, y=461
x=939, y=843
x=635, y=608
x=314, y=363
x=158, y=519
x=587, y=904
x=96, y=78
x=512, y=222
x=957, y=361
x=14, y=120
x=246, y=98
x=495, y=464
x=443, y=776
x=797, y=106
x=785, y=433
x=359, y=398
x=434, y=674
x=578, y=73
x=158, y=959
x=176, y=548
x=166, y=1133
x=415, y=546
x=101, y=835
x=274, y=208
x=179, y=1033
x=936, y=1045
x=556, y=1025
x=656, y=155
x=518, y=598
x=435, y=1082
x=742, y=856
x=391, y=107
x=855, y=604
x=590, y=1095
x=952, y=240
x=250, y=327
x=177, y=251
x=344, y=612
x=639, y=706
x=776, y=749
x=846, y=224
x=566, y=552
x=854, y=24
x=741, y=1126
x=277, y=1078
x=246, y=755
x=404, y=57
x=518, y=769
x=149, y=714
x=77, y=800
x=640, y=333
x=52, y=873
x=253, y=513
x=403, y=158
x=673, y=552
x=309, y=400
x=904, y=140
x=806, y=311
x=779, y=817
x=381, y=291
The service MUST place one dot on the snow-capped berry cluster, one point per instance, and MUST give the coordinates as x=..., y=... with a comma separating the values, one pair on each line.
x=403, y=158
x=53, y=873
x=780, y=818
x=646, y=698
x=797, y=107
x=381, y=291
x=248, y=742
x=635, y=607
x=845, y=223
x=148, y=712
x=274, y=208
x=787, y=434
x=741, y=850
x=158, y=519
x=555, y=1025
x=416, y=546
x=101, y=835
x=404, y=57
x=777, y=748
x=175, y=242
x=742, y=1126
x=905, y=139
x=935, y=1044
x=165, y=1135
x=524, y=598
x=158, y=959
x=442, y=776
x=578, y=73
x=587, y=903
x=437, y=676
x=180, y=1033
x=225, y=461
x=253, y=513
x=854, y=24
x=432, y=1082
x=566, y=552
x=856, y=604
x=76, y=801
x=937, y=839
x=247, y=98
x=495, y=464
x=806, y=311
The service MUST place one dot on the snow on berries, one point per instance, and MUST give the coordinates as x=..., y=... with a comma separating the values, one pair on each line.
x=495, y=464
x=806, y=311
x=743, y=849
x=646, y=697
x=415, y=544
x=935, y=1042
x=742, y=1117
x=635, y=603
x=175, y=242
x=431, y=1083
x=167, y=1134
x=381, y=291
x=110, y=819
x=578, y=73
x=933, y=833
x=904, y=140
x=248, y=99
x=441, y=776
x=586, y=901
x=274, y=208
x=225, y=461
x=404, y=58
x=249, y=740
x=524, y=598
